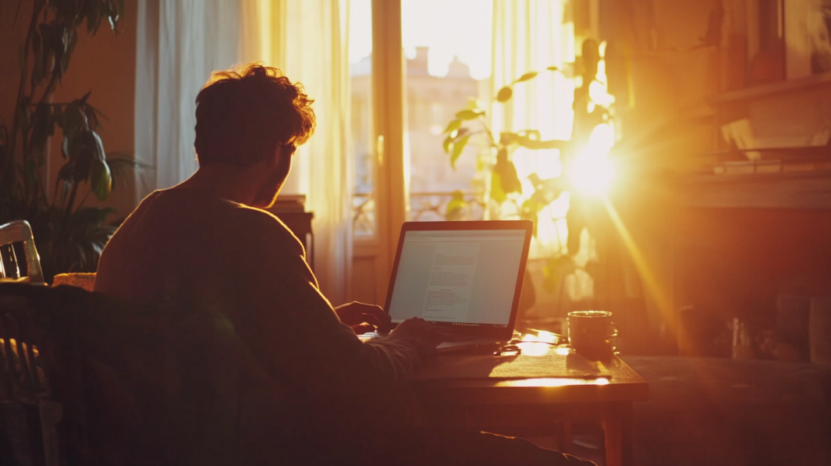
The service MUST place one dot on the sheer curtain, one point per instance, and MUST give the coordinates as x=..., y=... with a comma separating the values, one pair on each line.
x=531, y=35
x=179, y=43
x=308, y=40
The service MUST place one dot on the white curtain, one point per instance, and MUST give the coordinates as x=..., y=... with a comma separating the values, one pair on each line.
x=308, y=40
x=179, y=43
x=530, y=35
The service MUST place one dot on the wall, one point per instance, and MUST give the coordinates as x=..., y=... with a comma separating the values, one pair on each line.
x=728, y=260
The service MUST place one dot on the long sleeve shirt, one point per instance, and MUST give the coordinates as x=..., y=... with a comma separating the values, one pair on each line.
x=195, y=250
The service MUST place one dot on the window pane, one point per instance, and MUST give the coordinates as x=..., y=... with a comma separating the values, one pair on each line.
x=364, y=221
x=448, y=49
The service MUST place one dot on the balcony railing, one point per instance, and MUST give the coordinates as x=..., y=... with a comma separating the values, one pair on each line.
x=424, y=207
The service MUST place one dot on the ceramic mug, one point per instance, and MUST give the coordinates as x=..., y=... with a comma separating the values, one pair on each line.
x=590, y=333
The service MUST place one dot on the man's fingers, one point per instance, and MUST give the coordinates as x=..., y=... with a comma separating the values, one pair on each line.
x=371, y=319
x=373, y=310
x=362, y=328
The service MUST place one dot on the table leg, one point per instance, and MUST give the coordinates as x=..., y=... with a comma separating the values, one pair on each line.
x=617, y=429
x=564, y=437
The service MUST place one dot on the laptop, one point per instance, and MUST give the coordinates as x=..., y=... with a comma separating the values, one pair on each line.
x=463, y=276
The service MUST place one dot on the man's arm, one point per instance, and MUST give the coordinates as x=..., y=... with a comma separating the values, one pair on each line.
x=292, y=327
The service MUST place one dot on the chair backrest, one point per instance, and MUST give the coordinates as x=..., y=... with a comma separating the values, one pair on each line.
x=19, y=231
x=138, y=384
x=29, y=417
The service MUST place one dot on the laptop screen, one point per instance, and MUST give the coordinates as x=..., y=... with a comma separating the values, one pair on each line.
x=458, y=277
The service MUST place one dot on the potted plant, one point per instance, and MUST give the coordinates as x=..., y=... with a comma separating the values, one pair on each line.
x=505, y=188
x=69, y=235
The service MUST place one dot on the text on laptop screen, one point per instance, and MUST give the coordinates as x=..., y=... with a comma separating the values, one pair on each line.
x=463, y=277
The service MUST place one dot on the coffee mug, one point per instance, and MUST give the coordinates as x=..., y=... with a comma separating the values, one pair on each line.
x=590, y=333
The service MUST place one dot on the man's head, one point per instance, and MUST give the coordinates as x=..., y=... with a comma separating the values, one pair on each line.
x=252, y=116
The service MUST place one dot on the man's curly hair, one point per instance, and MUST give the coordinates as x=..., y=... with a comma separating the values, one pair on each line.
x=244, y=114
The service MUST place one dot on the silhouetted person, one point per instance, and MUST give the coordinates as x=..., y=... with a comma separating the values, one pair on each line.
x=206, y=244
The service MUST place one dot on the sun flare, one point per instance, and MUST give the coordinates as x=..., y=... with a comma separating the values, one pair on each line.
x=592, y=171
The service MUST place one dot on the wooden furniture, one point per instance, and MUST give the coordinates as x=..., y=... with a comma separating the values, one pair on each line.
x=28, y=414
x=19, y=231
x=534, y=406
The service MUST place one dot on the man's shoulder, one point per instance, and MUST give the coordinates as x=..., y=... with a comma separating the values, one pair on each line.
x=259, y=217
x=260, y=225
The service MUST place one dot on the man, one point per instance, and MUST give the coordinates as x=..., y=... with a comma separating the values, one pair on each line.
x=206, y=244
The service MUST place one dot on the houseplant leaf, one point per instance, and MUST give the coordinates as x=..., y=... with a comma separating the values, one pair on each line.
x=446, y=144
x=504, y=94
x=507, y=173
x=100, y=180
x=458, y=147
x=470, y=114
x=452, y=126
x=456, y=205
x=527, y=76
x=497, y=193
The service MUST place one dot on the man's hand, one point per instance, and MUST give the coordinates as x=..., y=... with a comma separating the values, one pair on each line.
x=363, y=317
x=425, y=335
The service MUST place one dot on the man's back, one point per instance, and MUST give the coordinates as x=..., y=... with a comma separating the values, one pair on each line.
x=192, y=251
x=184, y=238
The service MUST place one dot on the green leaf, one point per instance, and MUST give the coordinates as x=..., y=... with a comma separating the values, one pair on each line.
x=452, y=126
x=552, y=68
x=507, y=175
x=527, y=76
x=100, y=180
x=458, y=147
x=446, y=144
x=456, y=206
x=92, y=117
x=497, y=193
x=470, y=114
x=504, y=94
x=75, y=119
x=69, y=46
x=99, y=147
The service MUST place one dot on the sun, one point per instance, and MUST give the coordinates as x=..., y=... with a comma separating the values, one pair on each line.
x=592, y=171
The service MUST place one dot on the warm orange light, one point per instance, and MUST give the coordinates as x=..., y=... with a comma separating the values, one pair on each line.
x=653, y=285
x=537, y=345
x=553, y=382
x=592, y=171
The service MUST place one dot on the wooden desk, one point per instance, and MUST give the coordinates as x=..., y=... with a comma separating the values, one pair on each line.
x=526, y=407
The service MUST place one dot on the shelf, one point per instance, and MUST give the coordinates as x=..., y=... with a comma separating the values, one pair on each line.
x=769, y=90
x=785, y=190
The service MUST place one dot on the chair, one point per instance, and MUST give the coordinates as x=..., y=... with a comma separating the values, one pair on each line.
x=28, y=416
x=19, y=231
x=138, y=384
